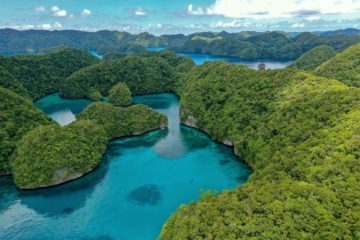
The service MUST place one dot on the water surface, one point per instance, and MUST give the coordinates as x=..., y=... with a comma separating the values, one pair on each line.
x=62, y=110
x=199, y=58
x=140, y=183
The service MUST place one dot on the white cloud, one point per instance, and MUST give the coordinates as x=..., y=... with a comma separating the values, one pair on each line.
x=57, y=25
x=60, y=13
x=275, y=8
x=55, y=9
x=140, y=12
x=85, y=12
x=21, y=27
x=46, y=26
x=40, y=9
x=298, y=25
x=236, y=24
x=197, y=11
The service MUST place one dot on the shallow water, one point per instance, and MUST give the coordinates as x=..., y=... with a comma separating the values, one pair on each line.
x=140, y=183
x=62, y=110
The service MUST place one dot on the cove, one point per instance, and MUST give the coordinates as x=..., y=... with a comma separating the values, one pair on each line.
x=140, y=183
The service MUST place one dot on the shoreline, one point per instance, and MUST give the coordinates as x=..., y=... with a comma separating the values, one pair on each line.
x=89, y=171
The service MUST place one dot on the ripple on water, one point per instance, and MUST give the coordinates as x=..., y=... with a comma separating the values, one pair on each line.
x=145, y=195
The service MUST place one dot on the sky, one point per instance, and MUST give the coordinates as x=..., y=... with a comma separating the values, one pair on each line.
x=180, y=16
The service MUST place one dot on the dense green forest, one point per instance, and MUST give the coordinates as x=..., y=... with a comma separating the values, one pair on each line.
x=17, y=117
x=143, y=75
x=120, y=95
x=310, y=60
x=273, y=45
x=247, y=44
x=344, y=66
x=299, y=133
x=9, y=82
x=50, y=155
x=121, y=122
x=43, y=74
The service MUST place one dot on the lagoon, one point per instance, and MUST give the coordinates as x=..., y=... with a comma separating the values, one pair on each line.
x=140, y=183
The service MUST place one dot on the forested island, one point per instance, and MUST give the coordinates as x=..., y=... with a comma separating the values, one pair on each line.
x=245, y=45
x=37, y=151
x=297, y=128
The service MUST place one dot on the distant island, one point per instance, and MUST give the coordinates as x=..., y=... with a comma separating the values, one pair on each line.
x=246, y=45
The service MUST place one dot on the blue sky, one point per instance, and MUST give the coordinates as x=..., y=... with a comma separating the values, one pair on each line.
x=184, y=16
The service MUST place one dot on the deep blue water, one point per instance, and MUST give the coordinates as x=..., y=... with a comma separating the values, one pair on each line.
x=140, y=183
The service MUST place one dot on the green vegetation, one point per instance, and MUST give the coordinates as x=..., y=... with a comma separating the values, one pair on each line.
x=127, y=49
x=44, y=74
x=207, y=39
x=95, y=95
x=50, y=155
x=121, y=122
x=17, y=117
x=248, y=44
x=310, y=60
x=9, y=82
x=143, y=75
x=120, y=95
x=344, y=67
x=181, y=64
x=299, y=133
x=274, y=45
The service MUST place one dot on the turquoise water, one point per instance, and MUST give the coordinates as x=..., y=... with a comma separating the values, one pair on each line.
x=140, y=183
x=61, y=110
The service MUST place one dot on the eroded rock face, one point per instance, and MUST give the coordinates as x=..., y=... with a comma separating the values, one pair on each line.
x=190, y=121
x=228, y=142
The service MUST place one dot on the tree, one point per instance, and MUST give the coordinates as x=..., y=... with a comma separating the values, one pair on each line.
x=120, y=95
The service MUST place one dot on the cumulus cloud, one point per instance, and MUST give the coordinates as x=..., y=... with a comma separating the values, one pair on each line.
x=275, y=8
x=197, y=11
x=57, y=25
x=139, y=12
x=85, y=12
x=40, y=9
x=48, y=26
x=57, y=12
x=61, y=13
x=55, y=8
